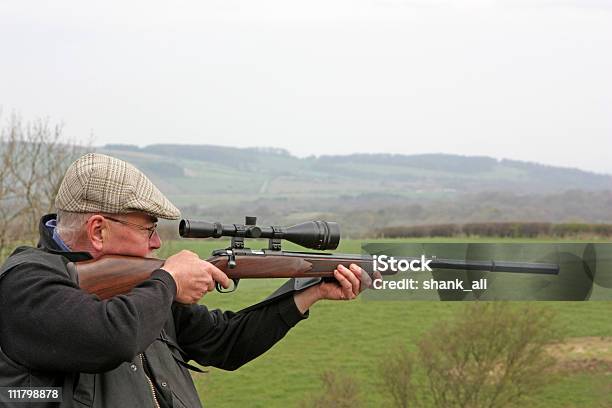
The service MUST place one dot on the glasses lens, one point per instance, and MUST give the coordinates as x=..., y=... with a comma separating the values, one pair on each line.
x=152, y=230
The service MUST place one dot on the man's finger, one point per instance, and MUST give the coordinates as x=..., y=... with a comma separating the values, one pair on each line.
x=356, y=269
x=345, y=285
x=218, y=275
x=210, y=285
x=350, y=275
x=364, y=278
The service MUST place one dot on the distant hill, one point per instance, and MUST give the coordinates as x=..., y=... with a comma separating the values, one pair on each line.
x=206, y=180
x=274, y=168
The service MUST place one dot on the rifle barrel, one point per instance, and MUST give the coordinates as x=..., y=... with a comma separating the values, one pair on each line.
x=439, y=263
x=496, y=266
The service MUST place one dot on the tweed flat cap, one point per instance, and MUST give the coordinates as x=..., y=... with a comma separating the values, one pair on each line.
x=100, y=183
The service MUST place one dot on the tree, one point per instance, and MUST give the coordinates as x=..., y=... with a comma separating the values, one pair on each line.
x=33, y=159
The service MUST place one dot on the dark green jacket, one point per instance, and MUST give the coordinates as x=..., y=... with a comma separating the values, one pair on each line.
x=123, y=351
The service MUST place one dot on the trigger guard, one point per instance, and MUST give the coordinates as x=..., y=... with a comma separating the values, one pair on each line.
x=221, y=289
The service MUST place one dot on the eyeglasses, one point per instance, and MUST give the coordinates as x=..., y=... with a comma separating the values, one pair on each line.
x=151, y=229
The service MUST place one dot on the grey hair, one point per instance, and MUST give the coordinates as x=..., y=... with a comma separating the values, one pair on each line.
x=70, y=225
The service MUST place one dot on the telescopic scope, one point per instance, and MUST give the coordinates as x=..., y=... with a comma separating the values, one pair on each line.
x=320, y=235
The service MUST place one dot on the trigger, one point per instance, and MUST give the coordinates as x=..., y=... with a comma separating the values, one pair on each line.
x=232, y=288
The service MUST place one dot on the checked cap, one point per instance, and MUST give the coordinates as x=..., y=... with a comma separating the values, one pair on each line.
x=100, y=183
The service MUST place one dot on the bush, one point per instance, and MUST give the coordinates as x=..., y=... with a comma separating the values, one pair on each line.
x=493, y=355
x=338, y=392
x=396, y=372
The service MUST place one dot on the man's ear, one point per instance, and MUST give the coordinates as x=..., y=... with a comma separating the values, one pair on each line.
x=97, y=232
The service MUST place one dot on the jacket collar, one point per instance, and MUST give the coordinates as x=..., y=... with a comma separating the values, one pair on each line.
x=47, y=243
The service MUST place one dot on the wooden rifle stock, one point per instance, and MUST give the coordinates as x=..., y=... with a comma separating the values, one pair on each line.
x=113, y=275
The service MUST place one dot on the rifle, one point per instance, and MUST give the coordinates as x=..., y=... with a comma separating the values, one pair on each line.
x=112, y=275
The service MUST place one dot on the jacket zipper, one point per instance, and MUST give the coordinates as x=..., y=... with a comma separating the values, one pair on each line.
x=142, y=361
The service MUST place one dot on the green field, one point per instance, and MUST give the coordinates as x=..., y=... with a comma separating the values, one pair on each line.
x=352, y=338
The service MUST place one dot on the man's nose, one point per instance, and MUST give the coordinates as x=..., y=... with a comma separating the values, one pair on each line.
x=155, y=241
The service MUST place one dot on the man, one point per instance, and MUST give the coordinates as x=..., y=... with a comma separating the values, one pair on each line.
x=131, y=350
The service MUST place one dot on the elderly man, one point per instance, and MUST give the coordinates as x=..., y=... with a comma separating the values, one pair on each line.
x=130, y=350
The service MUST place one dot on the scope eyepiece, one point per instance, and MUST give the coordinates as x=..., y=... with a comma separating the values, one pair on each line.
x=200, y=229
x=312, y=234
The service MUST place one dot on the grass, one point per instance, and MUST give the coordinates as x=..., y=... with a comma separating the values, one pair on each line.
x=352, y=338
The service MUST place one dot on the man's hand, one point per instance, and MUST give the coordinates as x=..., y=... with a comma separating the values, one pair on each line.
x=349, y=283
x=193, y=276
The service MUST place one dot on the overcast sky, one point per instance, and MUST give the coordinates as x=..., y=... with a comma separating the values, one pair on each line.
x=528, y=80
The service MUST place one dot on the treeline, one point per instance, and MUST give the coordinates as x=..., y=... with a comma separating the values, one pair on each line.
x=364, y=215
x=498, y=230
